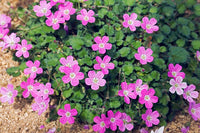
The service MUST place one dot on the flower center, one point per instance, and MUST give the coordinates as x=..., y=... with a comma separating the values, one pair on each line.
x=149, y=118
x=24, y=49
x=148, y=26
x=86, y=18
x=72, y=75
x=3, y=23
x=174, y=74
x=138, y=89
x=102, y=124
x=42, y=105
x=198, y=57
x=95, y=80
x=103, y=65
x=193, y=110
x=68, y=114
x=1, y=35
x=46, y=91
x=30, y=87
x=130, y=22
x=66, y=12
x=147, y=98
x=176, y=85
x=54, y=21
x=10, y=94
x=101, y=45
x=125, y=93
x=188, y=93
x=44, y=10
x=68, y=65
x=124, y=121
x=12, y=43
x=34, y=69
x=112, y=120
x=55, y=0
x=143, y=56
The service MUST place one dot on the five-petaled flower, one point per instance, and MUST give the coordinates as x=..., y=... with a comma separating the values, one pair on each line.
x=174, y=71
x=139, y=87
x=67, y=10
x=144, y=56
x=126, y=123
x=43, y=9
x=44, y=90
x=114, y=119
x=189, y=93
x=101, y=123
x=194, y=110
x=3, y=33
x=23, y=49
x=198, y=55
x=131, y=21
x=68, y=62
x=177, y=85
x=149, y=25
x=86, y=17
x=54, y=2
x=40, y=104
x=5, y=21
x=102, y=44
x=54, y=20
x=8, y=94
x=11, y=41
x=67, y=114
x=33, y=69
x=151, y=117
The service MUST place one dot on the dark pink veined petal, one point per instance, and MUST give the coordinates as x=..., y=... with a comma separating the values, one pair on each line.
x=105, y=71
x=88, y=81
x=154, y=99
x=194, y=94
x=97, y=119
x=26, y=54
x=126, y=99
x=95, y=47
x=63, y=61
x=134, y=16
x=76, y=68
x=141, y=100
x=132, y=95
x=97, y=66
x=84, y=22
x=132, y=27
x=29, y=47
x=179, y=91
x=124, y=85
x=149, y=31
x=179, y=79
x=91, y=19
x=98, y=40
x=25, y=93
x=67, y=107
x=74, y=82
x=137, y=23
x=36, y=8
x=182, y=74
x=178, y=68
x=56, y=26
x=110, y=113
x=108, y=46
x=84, y=12
x=63, y=120
x=129, y=127
x=141, y=50
x=122, y=128
x=143, y=25
x=137, y=56
x=98, y=59
x=150, y=59
x=79, y=17
x=24, y=42
x=125, y=24
x=29, y=63
x=143, y=62
x=99, y=75
x=80, y=76
x=153, y=21
x=151, y=92
x=37, y=63
x=171, y=67
x=96, y=127
x=172, y=89
x=39, y=70
x=106, y=59
x=3, y=90
x=102, y=50
x=191, y=87
x=71, y=120
x=61, y=112
x=145, y=20
x=120, y=93
x=23, y=84
x=18, y=53
x=105, y=39
x=126, y=17
x=27, y=71
x=73, y=112
x=172, y=82
x=155, y=28
x=149, y=52
x=102, y=82
x=66, y=79
x=155, y=121
x=33, y=75
x=49, y=22
x=90, y=13
x=94, y=86
x=110, y=66
x=91, y=74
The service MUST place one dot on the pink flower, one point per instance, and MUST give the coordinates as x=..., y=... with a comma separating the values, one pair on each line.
x=86, y=17
x=184, y=129
x=29, y=87
x=198, y=55
x=139, y=87
x=104, y=65
x=5, y=21
x=114, y=119
x=67, y=10
x=68, y=62
x=8, y=94
x=67, y=114
x=128, y=91
x=131, y=21
x=43, y=9
x=144, y=56
x=189, y=93
x=52, y=130
x=54, y=2
x=55, y=20
x=95, y=80
x=44, y=90
x=72, y=75
x=23, y=49
x=102, y=123
x=2, y=45
x=3, y=32
x=143, y=130
x=11, y=41
x=151, y=117
x=148, y=98
x=102, y=44
x=174, y=71
x=42, y=126
x=33, y=69
x=194, y=110
x=177, y=85
x=149, y=25
x=40, y=105
x=126, y=123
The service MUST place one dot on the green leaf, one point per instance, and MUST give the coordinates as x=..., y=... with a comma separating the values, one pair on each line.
x=109, y=2
x=164, y=99
x=78, y=107
x=196, y=44
x=114, y=104
x=76, y=43
x=129, y=2
x=155, y=75
x=87, y=116
x=124, y=51
x=109, y=30
x=180, y=42
x=67, y=93
x=14, y=71
x=53, y=46
x=153, y=10
x=160, y=63
x=102, y=12
x=119, y=35
x=77, y=96
x=197, y=9
x=128, y=69
x=165, y=29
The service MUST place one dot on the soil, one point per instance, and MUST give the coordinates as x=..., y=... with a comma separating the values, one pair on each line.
x=19, y=116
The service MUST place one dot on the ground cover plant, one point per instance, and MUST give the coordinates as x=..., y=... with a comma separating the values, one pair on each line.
x=108, y=63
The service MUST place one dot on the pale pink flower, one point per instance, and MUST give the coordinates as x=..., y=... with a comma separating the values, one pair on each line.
x=185, y=129
x=33, y=69
x=101, y=123
x=43, y=9
x=55, y=20
x=102, y=44
x=23, y=49
x=5, y=21
x=151, y=117
x=144, y=56
x=174, y=71
x=67, y=114
x=52, y=130
x=189, y=93
x=160, y=130
x=104, y=64
x=11, y=41
x=54, y=2
x=128, y=91
x=194, y=110
x=86, y=17
x=40, y=105
x=143, y=130
x=67, y=10
x=147, y=98
x=8, y=94
x=198, y=55
x=149, y=25
x=131, y=21
x=126, y=123
x=72, y=75
x=44, y=90
x=2, y=45
x=177, y=85
x=95, y=80
x=29, y=87
x=68, y=62
x=139, y=87
x=114, y=119
x=3, y=32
